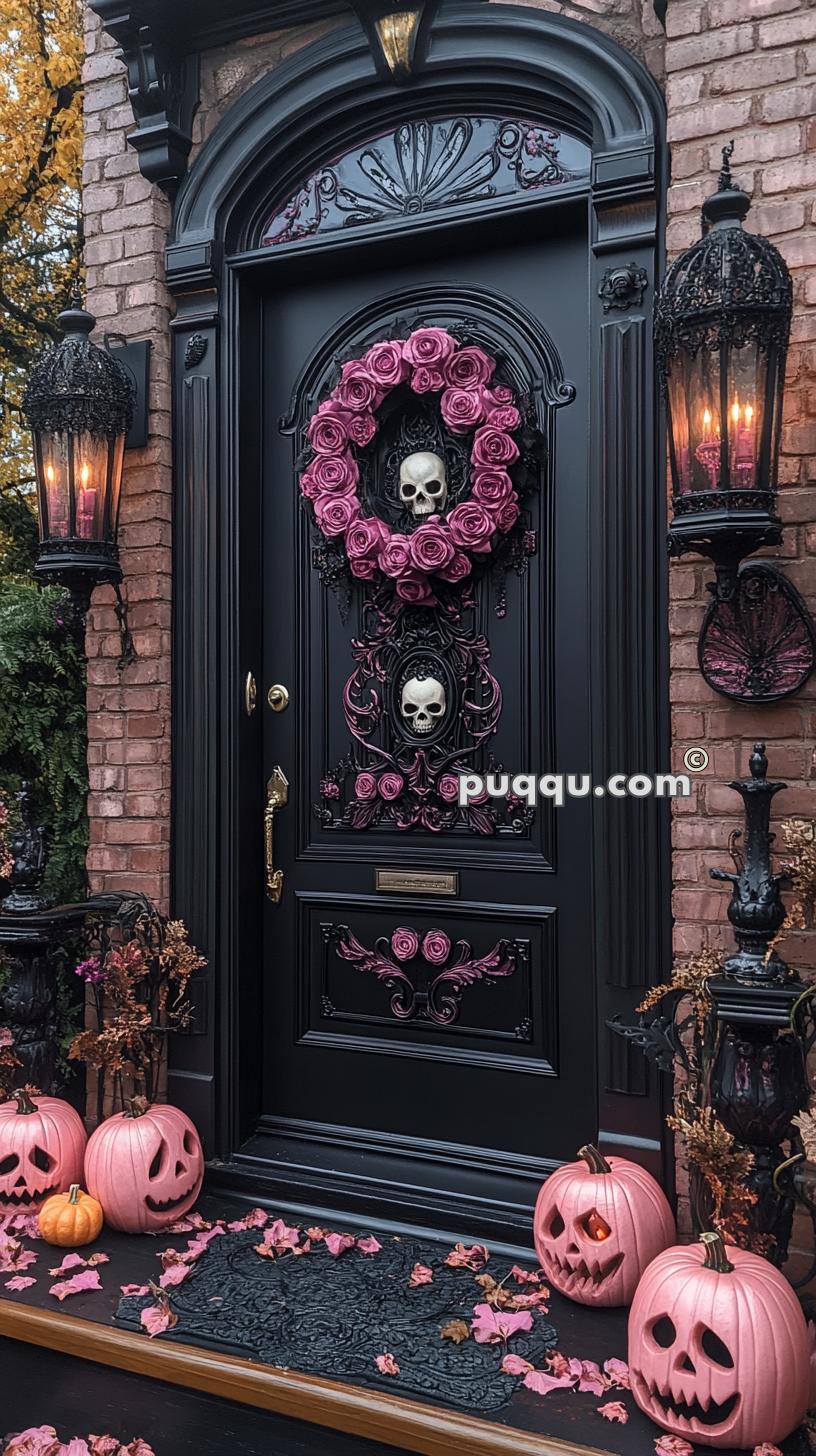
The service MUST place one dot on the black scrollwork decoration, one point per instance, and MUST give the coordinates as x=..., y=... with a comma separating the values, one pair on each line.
x=623, y=287
x=195, y=349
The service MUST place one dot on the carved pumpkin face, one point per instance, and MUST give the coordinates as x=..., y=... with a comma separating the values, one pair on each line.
x=597, y=1224
x=145, y=1168
x=41, y=1150
x=719, y=1350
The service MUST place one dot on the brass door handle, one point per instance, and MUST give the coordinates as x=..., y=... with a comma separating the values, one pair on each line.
x=277, y=796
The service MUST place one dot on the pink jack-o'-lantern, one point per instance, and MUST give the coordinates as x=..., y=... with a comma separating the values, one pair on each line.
x=41, y=1148
x=719, y=1351
x=145, y=1167
x=597, y=1224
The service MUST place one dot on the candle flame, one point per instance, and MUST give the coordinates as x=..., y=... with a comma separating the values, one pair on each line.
x=49, y=474
x=749, y=414
x=84, y=473
x=597, y=1227
x=706, y=417
x=735, y=412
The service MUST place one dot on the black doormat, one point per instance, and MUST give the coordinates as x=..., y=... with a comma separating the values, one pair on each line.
x=333, y=1316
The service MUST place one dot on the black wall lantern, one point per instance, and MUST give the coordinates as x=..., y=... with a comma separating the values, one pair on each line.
x=79, y=403
x=722, y=324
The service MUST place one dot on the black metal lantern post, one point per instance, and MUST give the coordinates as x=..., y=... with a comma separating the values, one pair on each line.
x=722, y=324
x=79, y=403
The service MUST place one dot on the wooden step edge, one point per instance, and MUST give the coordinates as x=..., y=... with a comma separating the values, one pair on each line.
x=377, y=1416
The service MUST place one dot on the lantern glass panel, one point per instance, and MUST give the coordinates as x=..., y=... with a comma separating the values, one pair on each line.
x=694, y=414
x=746, y=392
x=75, y=474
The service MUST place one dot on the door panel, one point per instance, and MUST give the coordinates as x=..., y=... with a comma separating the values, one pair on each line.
x=358, y=1034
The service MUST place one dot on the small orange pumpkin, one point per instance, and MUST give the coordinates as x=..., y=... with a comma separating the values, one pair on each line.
x=71, y=1219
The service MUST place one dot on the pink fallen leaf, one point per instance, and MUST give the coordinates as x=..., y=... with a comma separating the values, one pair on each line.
x=128, y=1289
x=71, y=1261
x=590, y=1380
x=98, y=1258
x=558, y=1363
x=304, y=1248
x=188, y=1224
x=386, y=1364
x=617, y=1372
x=158, y=1317
x=34, y=1441
x=614, y=1410
x=536, y=1299
x=75, y=1447
x=766, y=1449
x=104, y=1445
x=316, y=1234
x=369, y=1245
x=174, y=1275
x=78, y=1283
x=515, y=1365
x=13, y=1257
x=138, y=1448
x=489, y=1326
x=337, y=1244
x=27, y=1225
x=542, y=1383
x=463, y=1258
x=256, y=1218
x=197, y=1246
x=20, y=1281
x=420, y=1274
x=525, y=1276
x=673, y=1446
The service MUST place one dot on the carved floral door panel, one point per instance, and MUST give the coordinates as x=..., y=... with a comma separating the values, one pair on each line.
x=428, y=970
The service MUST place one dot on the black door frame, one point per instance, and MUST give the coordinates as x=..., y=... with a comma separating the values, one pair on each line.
x=506, y=60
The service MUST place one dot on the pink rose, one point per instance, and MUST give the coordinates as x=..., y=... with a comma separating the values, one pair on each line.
x=430, y=546
x=469, y=367
x=500, y=394
x=404, y=943
x=391, y=785
x=507, y=515
x=493, y=447
x=461, y=409
x=395, y=555
x=365, y=786
x=330, y=474
x=363, y=567
x=429, y=346
x=471, y=526
x=492, y=487
x=328, y=433
x=416, y=589
x=504, y=417
x=357, y=390
x=335, y=513
x=424, y=380
x=457, y=568
x=362, y=428
x=365, y=538
x=436, y=947
x=448, y=787
x=385, y=363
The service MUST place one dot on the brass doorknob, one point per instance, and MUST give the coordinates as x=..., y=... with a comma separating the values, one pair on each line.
x=278, y=697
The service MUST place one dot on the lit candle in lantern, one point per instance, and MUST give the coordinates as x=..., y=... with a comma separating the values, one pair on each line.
x=597, y=1227
x=744, y=451
x=708, y=451
x=86, y=505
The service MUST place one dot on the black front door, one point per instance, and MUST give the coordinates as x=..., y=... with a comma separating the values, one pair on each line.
x=428, y=970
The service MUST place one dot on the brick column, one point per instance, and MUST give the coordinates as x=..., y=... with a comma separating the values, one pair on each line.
x=126, y=222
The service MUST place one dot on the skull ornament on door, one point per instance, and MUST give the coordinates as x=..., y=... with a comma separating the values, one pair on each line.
x=145, y=1167
x=41, y=1149
x=719, y=1351
x=598, y=1223
x=423, y=703
x=423, y=486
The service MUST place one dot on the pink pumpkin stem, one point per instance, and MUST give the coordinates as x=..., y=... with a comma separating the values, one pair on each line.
x=715, y=1255
x=25, y=1106
x=595, y=1161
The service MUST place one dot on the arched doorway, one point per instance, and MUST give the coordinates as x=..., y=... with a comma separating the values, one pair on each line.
x=509, y=198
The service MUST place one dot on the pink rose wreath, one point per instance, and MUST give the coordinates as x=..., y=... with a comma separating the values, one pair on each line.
x=444, y=547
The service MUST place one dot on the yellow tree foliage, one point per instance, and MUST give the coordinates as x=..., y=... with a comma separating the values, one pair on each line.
x=40, y=158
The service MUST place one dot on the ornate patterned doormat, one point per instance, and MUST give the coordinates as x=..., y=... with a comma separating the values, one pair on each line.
x=334, y=1316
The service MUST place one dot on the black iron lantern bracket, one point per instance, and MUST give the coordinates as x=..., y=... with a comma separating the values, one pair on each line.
x=722, y=323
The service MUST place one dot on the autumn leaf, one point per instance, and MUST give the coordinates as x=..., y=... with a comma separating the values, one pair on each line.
x=338, y=1244
x=617, y=1372
x=128, y=1289
x=71, y=1261
x=489, y=1326
x=542, y=1383
x=525, y=1276
x=473, y=1258
x=19, y=1282
x=590, y=1379
x=673, y=1446
x=614, y=1410
x=158, y=1317
x=806, y=1123
x=766, y=1449
x=174, y=1275
x=386, y=1364
x=515, y=1365
x=79, y=1283
x=456, y=1330
x=420, y=1274
x=369, y=1245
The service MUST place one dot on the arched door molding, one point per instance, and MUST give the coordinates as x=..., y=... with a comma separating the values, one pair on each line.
x=482, y=59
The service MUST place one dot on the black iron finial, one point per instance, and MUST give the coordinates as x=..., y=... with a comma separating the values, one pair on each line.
x=725, y=182
x=758, y=763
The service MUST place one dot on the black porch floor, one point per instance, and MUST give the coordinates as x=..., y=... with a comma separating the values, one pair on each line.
x=145, y=1393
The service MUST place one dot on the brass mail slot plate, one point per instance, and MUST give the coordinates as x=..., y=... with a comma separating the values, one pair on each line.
x=419, y=882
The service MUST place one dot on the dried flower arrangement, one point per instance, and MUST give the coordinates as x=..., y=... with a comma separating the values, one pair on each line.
x=799, y=864
x=683, y=1036
x=136, y=976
